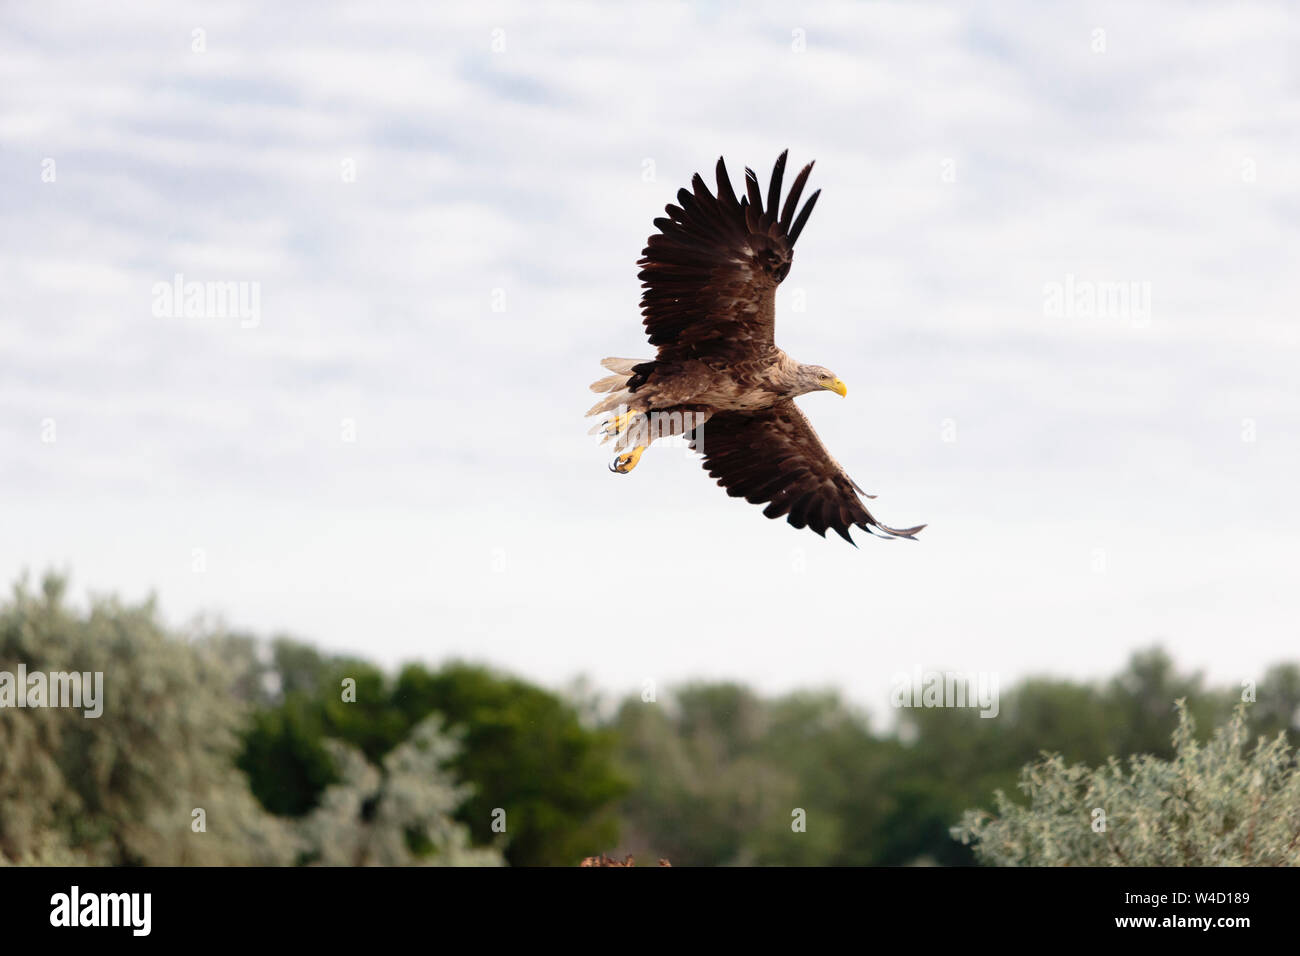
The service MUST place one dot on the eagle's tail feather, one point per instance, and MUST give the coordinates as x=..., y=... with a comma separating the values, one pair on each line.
x=616, y=387
x=609, y=403
x=622, y=365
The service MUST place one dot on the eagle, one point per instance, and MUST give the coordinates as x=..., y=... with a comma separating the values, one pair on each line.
x=718, y=379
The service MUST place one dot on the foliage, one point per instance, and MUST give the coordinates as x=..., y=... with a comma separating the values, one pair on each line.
x=718, y=774
x=1220, y=803
x=955, y=759
x=397, y=815
x=124, y=787
x=717, y=771
x=416, y=767
x=525, y=751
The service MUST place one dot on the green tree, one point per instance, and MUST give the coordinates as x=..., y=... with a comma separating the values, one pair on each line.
x=524, y=752
x=123, y=787
x=152, y=781
x=954, y=759
x=719, y=775
x=1277, y=702
x=717, y=770
x=700, y=787
x=1221, y=803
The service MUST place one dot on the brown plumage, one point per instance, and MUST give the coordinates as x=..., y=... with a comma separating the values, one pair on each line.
x=710, y=276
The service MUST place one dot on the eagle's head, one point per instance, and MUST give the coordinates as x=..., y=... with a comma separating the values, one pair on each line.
x=812, y=378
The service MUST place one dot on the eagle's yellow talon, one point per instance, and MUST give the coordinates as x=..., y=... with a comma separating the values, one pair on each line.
x=625, y=463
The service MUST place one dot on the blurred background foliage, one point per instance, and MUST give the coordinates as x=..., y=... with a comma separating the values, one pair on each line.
x=298, y=757
x=1228, y=802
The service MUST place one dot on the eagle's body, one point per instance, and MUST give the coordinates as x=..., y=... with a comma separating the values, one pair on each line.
x=710, y=276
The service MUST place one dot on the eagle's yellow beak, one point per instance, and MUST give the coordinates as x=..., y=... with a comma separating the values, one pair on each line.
x=836, y=386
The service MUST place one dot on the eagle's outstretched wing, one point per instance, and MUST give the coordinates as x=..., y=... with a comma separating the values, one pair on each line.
x=710, y=274
x=773, y=455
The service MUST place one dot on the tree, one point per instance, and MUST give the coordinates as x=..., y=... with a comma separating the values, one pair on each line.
x=399, y=814
x=954, y=759
x=722, y=776
x=532, y=766
x=1221, y=803
x=701, y=789
x=1278, y=702
x=150, y=780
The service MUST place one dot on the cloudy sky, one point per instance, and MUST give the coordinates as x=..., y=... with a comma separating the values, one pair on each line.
x=1053, y=260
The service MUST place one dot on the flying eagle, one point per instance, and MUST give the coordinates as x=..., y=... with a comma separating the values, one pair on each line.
x=710, y=276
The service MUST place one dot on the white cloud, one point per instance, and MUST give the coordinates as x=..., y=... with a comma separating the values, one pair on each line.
x=1167, y=159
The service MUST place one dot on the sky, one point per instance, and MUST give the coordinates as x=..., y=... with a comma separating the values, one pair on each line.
x=1053, y=260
